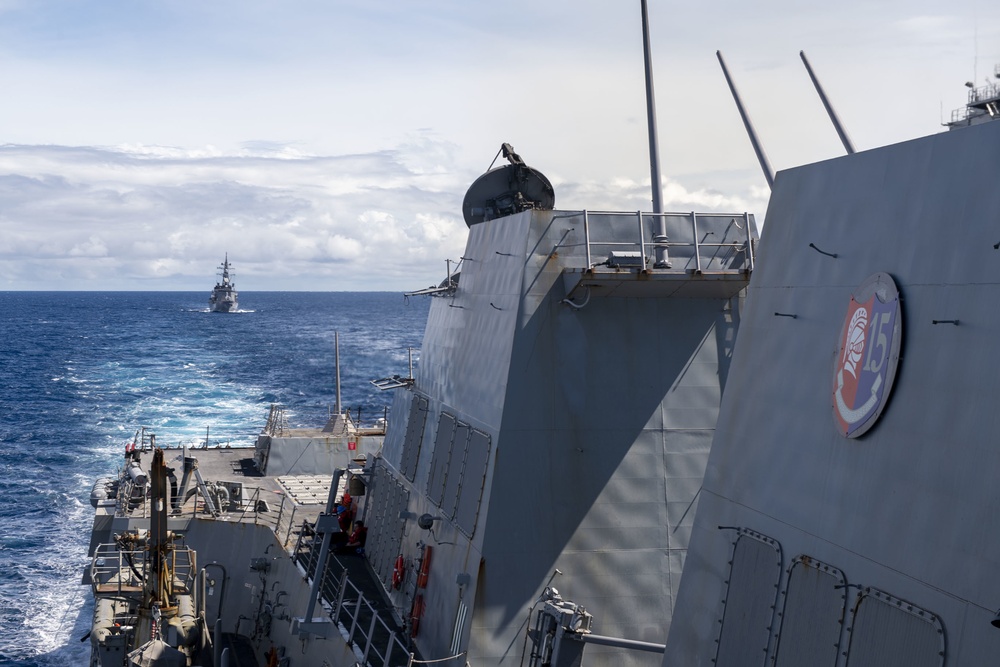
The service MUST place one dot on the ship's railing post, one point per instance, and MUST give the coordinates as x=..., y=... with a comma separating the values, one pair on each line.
x=586, y=238
x=750, y=251
x=697, y=244
x=281, y=511
x=371, y=633
x=298, y=541
x=389, y=645
x=291, y=524
x=340, y=596
x=642, y=240
x=354, y=618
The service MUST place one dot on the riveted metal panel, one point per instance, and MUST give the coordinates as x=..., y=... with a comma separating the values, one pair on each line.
x=414, y=436
x=812, y=616
x=890, y=632
x=750, y=600
x=439, y=462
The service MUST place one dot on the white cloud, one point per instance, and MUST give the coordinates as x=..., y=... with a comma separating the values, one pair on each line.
x=316, y=141
x=94, y=246
x=162, y=218
x=178, y=212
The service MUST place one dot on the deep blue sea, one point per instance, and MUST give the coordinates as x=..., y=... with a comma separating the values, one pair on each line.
x=80, y=372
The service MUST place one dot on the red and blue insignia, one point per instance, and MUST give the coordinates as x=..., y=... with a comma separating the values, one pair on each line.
x=868, y=355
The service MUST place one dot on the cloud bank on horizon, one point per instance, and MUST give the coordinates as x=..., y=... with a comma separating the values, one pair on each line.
x=146, y=218
x=328, y=146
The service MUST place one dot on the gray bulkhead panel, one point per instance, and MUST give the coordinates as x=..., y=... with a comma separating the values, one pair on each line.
x=607, y=421
x=910, y=506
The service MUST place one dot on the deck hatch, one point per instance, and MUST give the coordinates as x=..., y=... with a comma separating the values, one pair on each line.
x=750, y=601
x=812, y=616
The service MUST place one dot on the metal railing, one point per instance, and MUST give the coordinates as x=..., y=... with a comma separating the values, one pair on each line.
x=988, y=94
x=699, y=226
x=122, y=571
x=281, y=520
x=277, y=421
x=379, y=640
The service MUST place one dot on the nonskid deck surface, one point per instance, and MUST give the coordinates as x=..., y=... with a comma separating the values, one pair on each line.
x=289, y=506
x=264, y=499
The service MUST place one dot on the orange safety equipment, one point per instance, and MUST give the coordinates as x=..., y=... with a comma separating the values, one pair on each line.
x=398, y=572
x=425, y=568
x=416, y=614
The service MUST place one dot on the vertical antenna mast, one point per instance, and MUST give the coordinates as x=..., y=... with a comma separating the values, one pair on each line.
x=654, y=152
x=841, y=132
x=765, y=166
x=660, y=248
x=336, y=354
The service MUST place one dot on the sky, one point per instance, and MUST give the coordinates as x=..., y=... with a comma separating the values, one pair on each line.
x=327, y=145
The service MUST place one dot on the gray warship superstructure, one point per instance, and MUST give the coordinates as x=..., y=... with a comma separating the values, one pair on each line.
x=532, y=496
x=846, y=516
x=224, y=298
x=539, y=468
x=982, y=105
x=550, y=449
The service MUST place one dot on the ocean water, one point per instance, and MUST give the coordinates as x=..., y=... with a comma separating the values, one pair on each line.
x=80, y=372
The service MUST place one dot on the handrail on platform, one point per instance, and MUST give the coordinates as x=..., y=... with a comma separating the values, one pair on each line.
x=703, y=255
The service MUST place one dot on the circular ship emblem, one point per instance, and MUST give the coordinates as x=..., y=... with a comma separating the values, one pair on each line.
x=869, y=353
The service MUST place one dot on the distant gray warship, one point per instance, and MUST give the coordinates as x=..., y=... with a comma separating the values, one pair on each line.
x=846, y=517
x=224, y=298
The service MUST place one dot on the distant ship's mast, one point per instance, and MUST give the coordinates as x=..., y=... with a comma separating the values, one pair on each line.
x=225, y=270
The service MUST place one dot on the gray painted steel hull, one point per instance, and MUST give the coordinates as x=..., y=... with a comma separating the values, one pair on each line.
x=583, y=432
x=893, y=531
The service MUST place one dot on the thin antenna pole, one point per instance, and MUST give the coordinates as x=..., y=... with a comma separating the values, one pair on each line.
x=765, y=166
x=336, y=346
x=654, y=152
x=841, y=132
